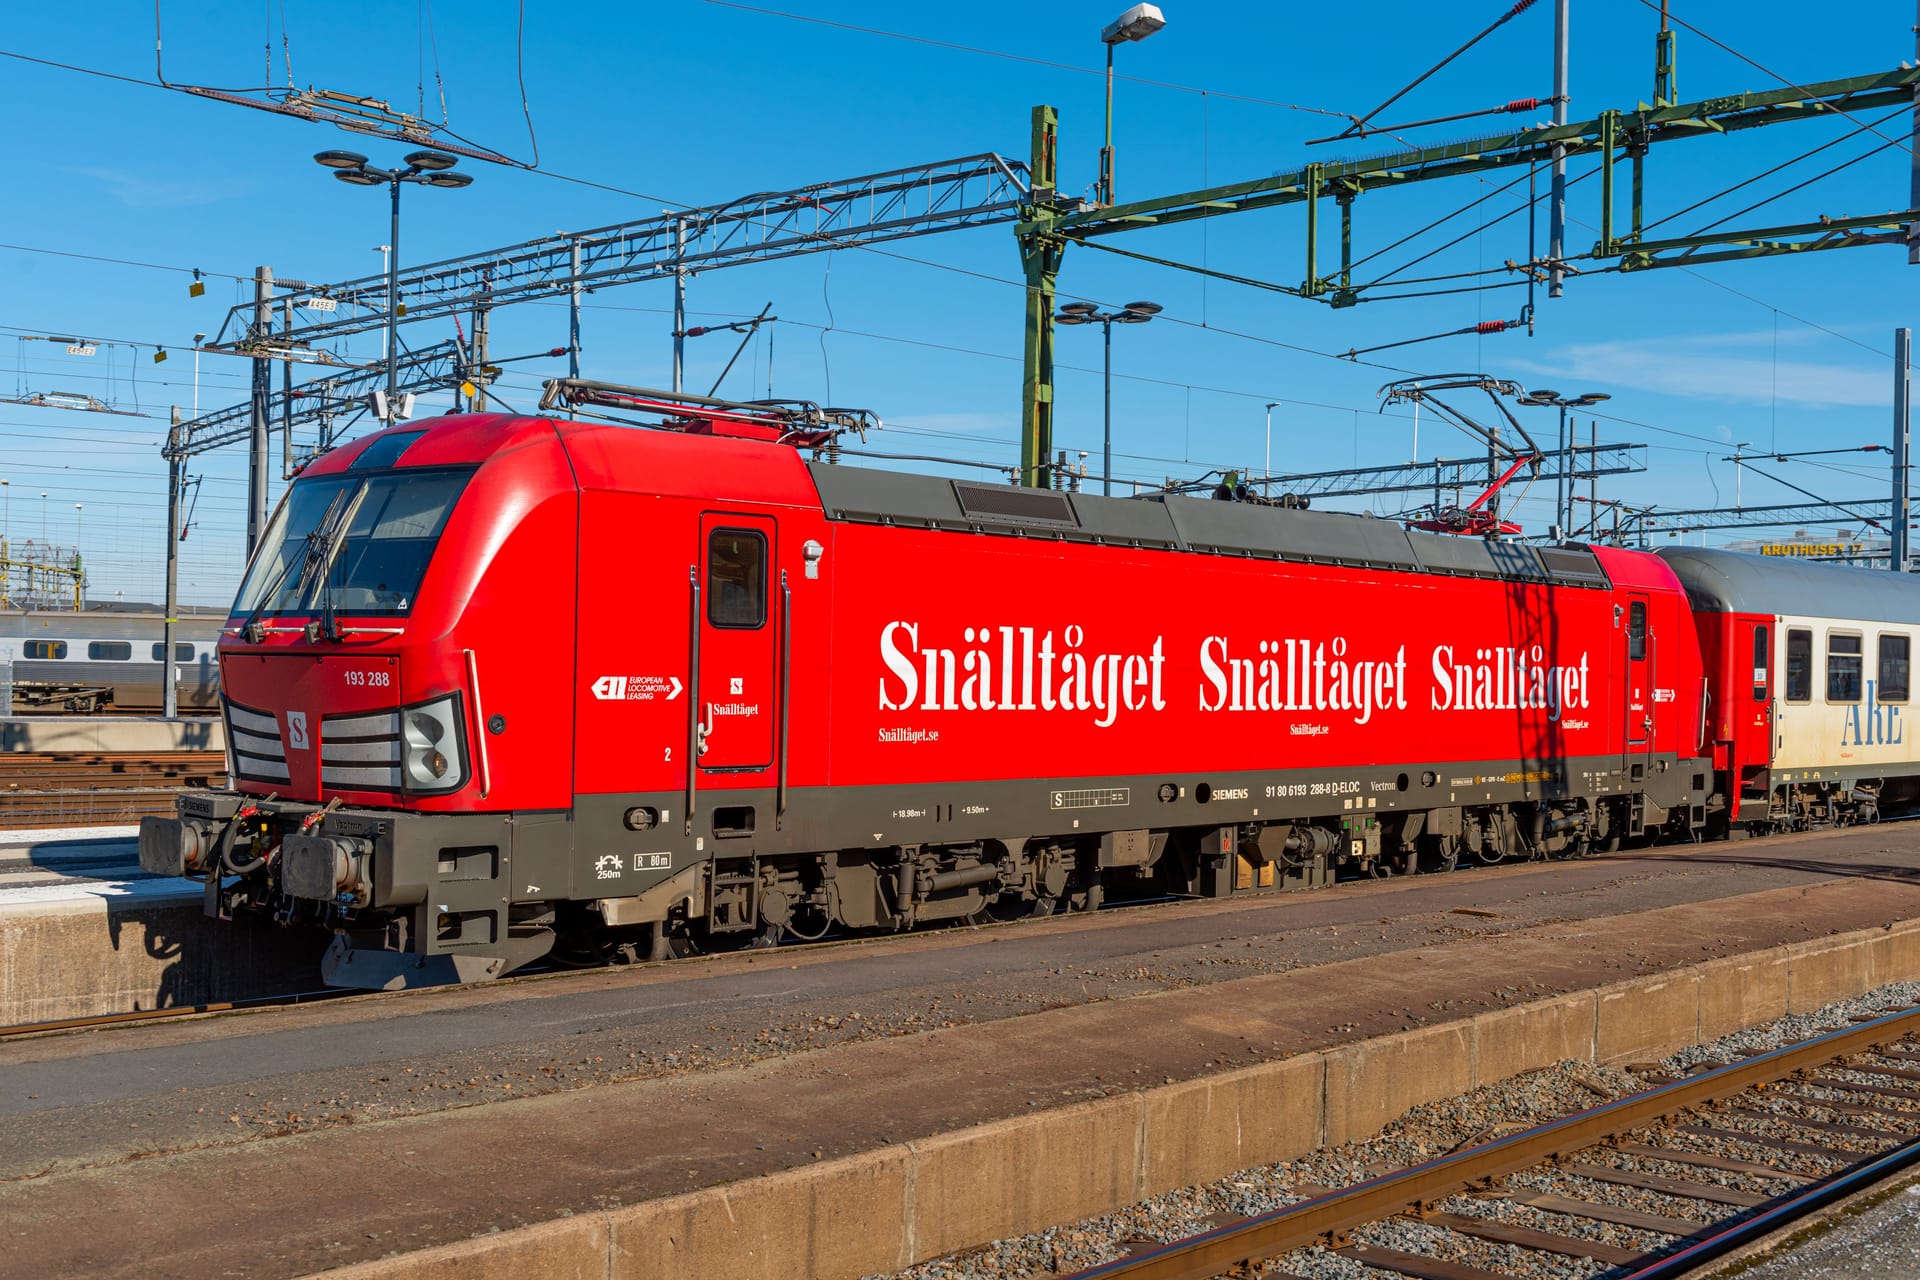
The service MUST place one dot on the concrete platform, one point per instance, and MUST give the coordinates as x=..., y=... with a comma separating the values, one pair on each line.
x=849, y=1109
x=91, y=735
x=83, y=931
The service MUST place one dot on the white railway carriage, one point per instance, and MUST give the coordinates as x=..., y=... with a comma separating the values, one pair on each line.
x=1823, y=730
x=105, y=660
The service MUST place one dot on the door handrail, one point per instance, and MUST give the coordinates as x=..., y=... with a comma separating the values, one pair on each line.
x=786, y=687
x=693, y=697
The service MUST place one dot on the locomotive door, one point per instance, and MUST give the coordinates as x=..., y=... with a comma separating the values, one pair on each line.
x=735, y=693
x=1639, y=682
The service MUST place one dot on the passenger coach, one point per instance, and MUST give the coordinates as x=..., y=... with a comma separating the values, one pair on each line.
x=1812, y=673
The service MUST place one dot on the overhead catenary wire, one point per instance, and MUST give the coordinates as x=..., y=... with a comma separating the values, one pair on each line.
x=1359, y=127
x=1201, y=324
x=1766, y=173
x=1798, y=186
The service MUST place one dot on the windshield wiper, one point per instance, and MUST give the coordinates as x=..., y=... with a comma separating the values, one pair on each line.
x=314, y=555
x=329, y=551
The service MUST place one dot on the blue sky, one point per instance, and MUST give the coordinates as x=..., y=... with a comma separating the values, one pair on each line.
x=691, y=102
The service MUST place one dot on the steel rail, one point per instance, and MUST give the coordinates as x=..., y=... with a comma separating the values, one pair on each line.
x=1327, y=1217
x=1704, y=1249
x=94, y=1021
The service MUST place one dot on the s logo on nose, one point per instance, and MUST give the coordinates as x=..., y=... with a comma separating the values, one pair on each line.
x=297, y=730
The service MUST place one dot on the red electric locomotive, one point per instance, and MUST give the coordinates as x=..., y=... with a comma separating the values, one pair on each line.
x=496, y=683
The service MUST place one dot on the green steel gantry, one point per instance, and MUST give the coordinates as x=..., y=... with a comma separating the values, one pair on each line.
x=1048, y=225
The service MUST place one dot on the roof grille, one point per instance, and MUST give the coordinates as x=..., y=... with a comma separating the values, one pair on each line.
x=1015, y=506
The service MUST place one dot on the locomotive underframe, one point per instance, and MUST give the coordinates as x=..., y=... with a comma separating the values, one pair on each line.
x=419, y=899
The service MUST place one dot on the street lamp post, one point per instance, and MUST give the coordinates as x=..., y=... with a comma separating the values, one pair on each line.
x=1268, y=473
x=1563, y=482
x=198, y=338
x=1088, y=313
x=386, y=262
x=428, y=168
x=1135, y=24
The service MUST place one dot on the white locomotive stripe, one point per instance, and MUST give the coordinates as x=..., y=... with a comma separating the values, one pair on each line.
x=340, y=776
x=253, y=720
x=385, y=723
x=257, y=745
x=386, y=752
x=270, y=770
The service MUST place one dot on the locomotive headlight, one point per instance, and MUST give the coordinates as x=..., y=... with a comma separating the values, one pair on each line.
x=432, y=746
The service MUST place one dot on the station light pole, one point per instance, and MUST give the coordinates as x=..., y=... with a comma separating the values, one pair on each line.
x=1088, y=313
x=1563, y=484
x=428, y=168
x=1135, y=24
x=198, y=338
x=1268, y=473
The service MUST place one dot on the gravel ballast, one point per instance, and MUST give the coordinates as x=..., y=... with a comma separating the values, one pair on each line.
x=1470, y=1119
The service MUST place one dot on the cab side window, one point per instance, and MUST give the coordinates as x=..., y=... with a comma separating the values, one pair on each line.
x=736, y=579
x=1762, y=660
x=1799, y=680
x=1637, y=630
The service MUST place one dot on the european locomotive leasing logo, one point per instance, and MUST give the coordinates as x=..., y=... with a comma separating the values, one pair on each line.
x=1010, y=668
x=637, y=688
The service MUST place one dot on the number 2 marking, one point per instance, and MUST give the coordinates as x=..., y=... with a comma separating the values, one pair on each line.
x=669, y=755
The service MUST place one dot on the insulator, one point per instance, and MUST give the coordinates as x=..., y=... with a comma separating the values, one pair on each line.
x=1493, y=326
x=1523, y=104
x=1520, y=8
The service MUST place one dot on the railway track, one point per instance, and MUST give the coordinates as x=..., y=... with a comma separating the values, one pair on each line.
x=1727, y=1156
x=57, y=789
x=100, y=1020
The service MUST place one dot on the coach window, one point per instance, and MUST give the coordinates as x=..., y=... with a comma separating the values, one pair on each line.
x=1637, y=630
x=182, y=651
x=1799, y=666
x=1895, y=651
x=109, y=650
x=736, y=579
x=53, y=649
x=1762, y=659
x=1843, y=667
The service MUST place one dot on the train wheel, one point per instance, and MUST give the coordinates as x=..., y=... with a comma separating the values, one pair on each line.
x=1006, y=908
x=1445, y=854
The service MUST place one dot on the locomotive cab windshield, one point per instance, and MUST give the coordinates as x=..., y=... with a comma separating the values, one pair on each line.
x=357, y=542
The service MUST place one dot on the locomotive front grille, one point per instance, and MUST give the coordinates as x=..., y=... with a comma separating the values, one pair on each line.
x=258, y=753
x=361, y=752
